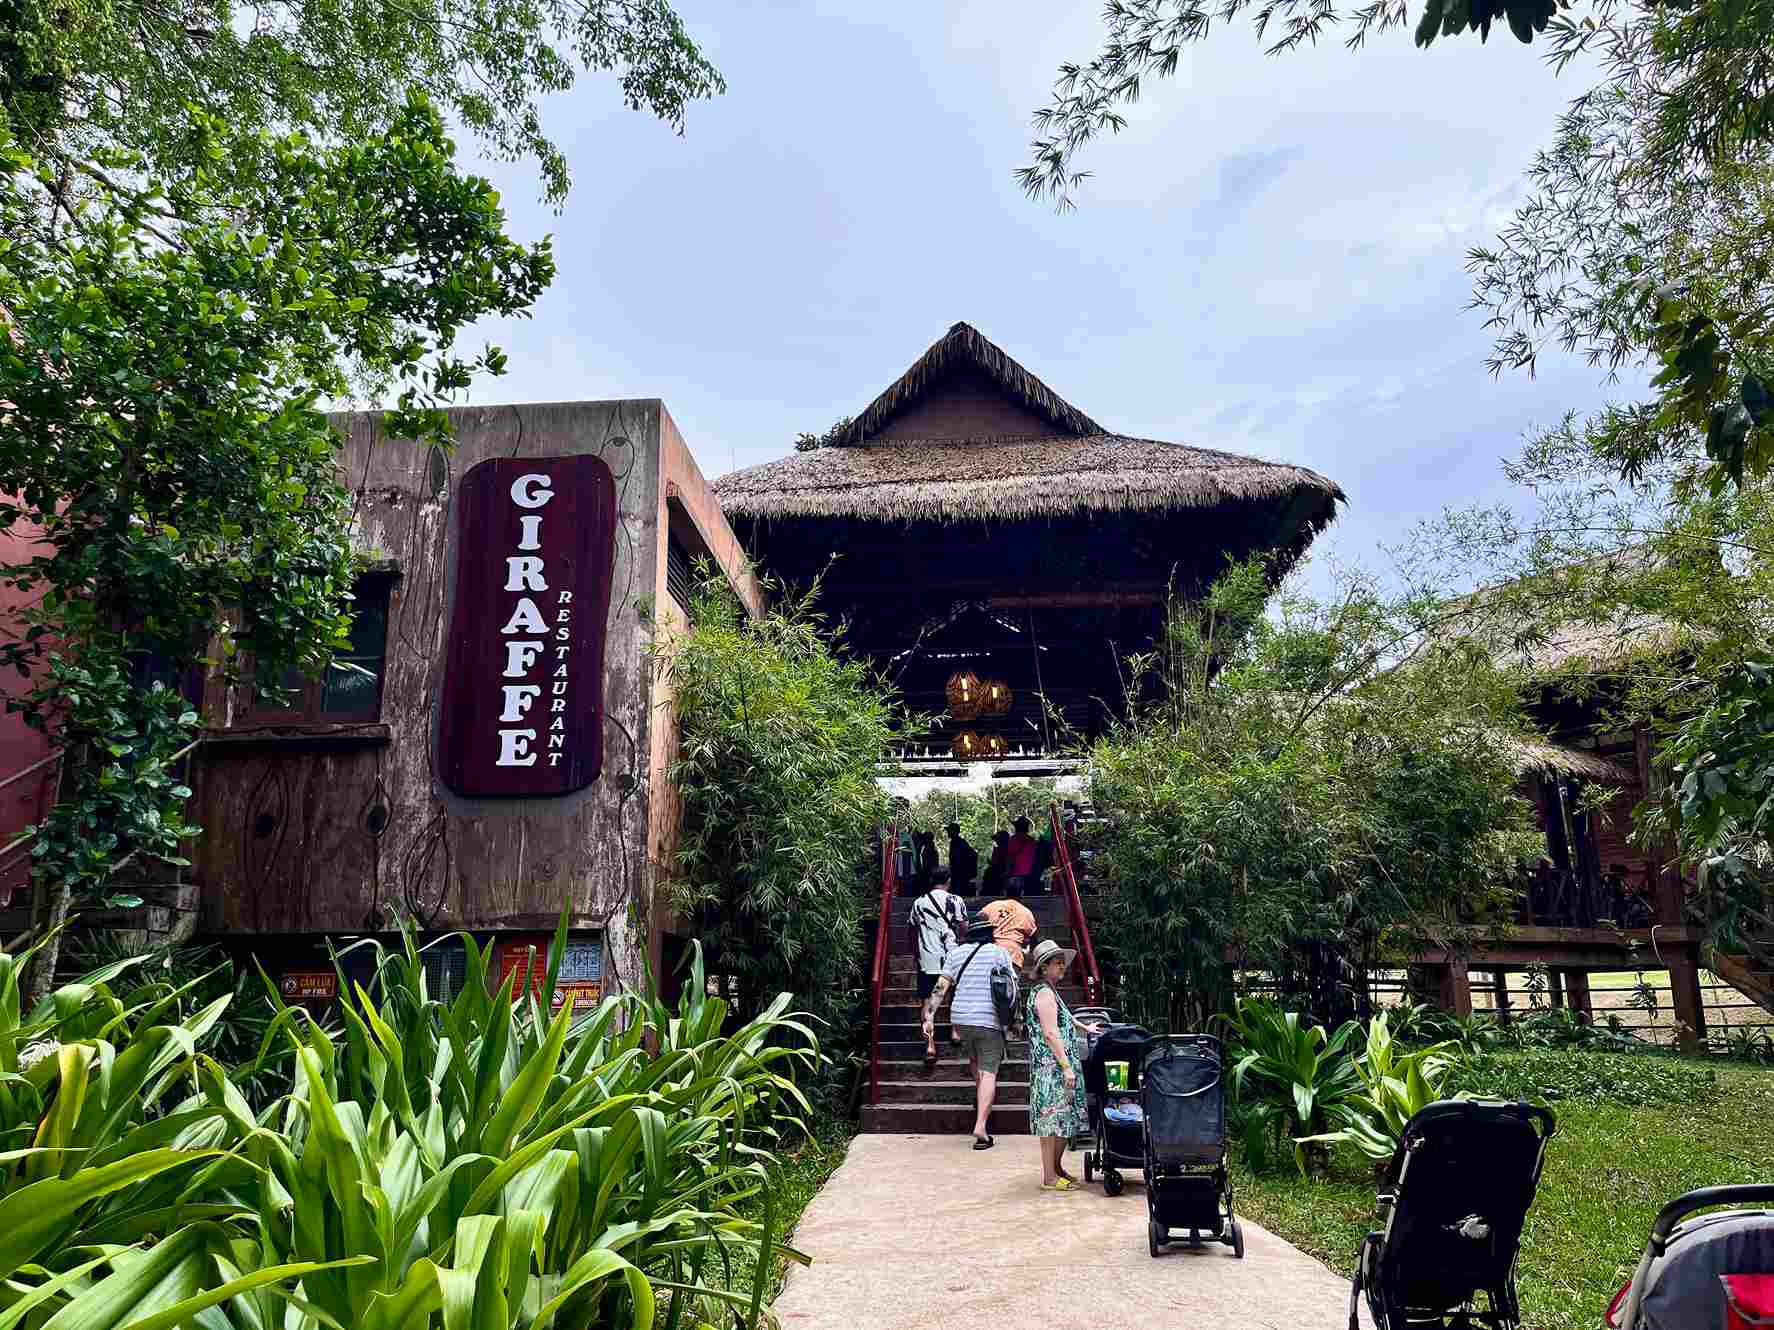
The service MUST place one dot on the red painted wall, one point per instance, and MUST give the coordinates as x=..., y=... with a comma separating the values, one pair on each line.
x=25, y=800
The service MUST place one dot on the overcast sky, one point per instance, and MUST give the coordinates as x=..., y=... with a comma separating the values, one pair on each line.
x=1269, y=260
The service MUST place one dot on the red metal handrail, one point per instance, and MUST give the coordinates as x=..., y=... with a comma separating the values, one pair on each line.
x=1062, y=857
x=878, y=976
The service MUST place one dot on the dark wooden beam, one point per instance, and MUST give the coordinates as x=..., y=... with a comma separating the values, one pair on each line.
x=1077, y=600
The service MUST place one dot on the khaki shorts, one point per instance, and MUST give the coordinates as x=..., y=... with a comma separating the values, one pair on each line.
x=984, y=1043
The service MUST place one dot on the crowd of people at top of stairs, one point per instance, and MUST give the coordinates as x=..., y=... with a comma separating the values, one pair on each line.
x=1019, y=864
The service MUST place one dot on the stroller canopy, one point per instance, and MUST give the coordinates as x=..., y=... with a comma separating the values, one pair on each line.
x=1184, y=1096
x=1681, y=1287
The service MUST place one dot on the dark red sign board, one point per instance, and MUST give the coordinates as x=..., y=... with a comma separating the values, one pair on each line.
x=576, y=983
x=309, y=985
x=523, y=694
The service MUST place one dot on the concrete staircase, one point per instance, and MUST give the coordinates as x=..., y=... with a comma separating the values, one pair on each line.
x=939, y=1099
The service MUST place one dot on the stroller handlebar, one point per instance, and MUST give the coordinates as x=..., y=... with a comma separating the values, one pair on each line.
x=1700, y=1199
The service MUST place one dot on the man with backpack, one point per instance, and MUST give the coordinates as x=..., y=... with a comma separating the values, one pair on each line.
x=938, y=923
x=983, y=1013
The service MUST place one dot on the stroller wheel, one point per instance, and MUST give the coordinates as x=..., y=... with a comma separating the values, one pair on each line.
x=1112, y=1183
x=1089, y=1164
x=1237, y=1240
x=1156, y=1236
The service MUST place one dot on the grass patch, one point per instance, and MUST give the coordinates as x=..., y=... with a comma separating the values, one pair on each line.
x=1611, y=1167
x=1550, y=1076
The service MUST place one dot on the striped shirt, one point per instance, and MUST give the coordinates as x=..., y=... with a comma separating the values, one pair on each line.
x=973, y=994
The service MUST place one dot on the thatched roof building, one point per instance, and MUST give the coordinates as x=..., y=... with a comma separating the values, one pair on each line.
x=968, y=434
x=982, y=521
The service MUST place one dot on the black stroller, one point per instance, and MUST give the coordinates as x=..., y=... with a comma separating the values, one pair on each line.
x=1455, y=1197
x=1677, y=1280
x=1183, y=1093
x=1117, y=1134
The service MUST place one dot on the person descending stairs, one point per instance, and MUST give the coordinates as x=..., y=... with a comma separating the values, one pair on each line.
x=939, y=1099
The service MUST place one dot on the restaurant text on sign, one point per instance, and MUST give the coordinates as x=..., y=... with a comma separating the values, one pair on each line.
x=523, y=696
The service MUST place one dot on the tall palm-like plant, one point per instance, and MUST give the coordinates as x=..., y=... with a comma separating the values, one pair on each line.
x=475, y=1165
x=1396, y=1085
x=1289, y=1077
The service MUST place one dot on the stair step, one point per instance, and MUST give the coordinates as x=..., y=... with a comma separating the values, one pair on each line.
x=1011, y=1094
x=949, y=1068
x=940, y=1120
x=912, y=1035
x=912, y=1050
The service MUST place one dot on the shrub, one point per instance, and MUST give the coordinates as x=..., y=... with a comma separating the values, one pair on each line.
x=1544, y=1075
x=781, y=739
x=434, y=1165
x=1283, y=790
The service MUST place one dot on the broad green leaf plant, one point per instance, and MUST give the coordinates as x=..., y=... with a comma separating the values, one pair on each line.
x=1396, y=1085
x=480, y=1164
x=1289, y=1077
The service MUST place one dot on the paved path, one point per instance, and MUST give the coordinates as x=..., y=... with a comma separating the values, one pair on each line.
x=920, y=1232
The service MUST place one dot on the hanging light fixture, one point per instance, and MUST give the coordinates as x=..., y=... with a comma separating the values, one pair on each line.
x=967, y=746
x=995, y=697
x=994, y=745
x=964, y=693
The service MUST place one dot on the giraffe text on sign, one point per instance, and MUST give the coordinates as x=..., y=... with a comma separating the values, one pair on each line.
x=523, y=696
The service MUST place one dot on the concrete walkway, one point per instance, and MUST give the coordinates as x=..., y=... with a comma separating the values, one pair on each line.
x=916, y=1232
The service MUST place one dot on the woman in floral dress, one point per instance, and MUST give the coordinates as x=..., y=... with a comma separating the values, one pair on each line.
x=1056, y=1065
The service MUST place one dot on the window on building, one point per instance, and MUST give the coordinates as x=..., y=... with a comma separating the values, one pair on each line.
x=351, y=687
x=680, y=574
x=446, y=969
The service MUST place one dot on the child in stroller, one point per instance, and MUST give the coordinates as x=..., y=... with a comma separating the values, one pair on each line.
x=1183, y=1096
x=1115, y=1114
x=1677, y=1283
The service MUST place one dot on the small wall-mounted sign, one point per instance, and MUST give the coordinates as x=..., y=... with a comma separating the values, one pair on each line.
x=309, y=985
x=580, y=980
x=523, y=694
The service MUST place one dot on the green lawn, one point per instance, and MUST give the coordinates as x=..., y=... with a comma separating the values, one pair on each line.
x=1608, y=1171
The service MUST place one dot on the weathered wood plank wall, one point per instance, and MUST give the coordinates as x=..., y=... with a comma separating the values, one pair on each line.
x=343, y=829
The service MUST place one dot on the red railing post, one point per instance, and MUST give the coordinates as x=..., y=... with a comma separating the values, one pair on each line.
x=1062, y=855
x=878, y=976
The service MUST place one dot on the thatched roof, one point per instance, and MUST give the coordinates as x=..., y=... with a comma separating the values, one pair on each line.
x=1538, y=757
x=961, y=348
x=1080, y=467
x=1528, y=635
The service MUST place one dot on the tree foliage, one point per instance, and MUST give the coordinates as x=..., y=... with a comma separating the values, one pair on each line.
x=1724, y=769
x=806, y=442
x=1291, y=786
x=81, y=78
x=781, y=741
x=1708, y=62
x=178, y=355
x=214, y=220
x=1646, y=241
x=1640, y=604
x=980, y=815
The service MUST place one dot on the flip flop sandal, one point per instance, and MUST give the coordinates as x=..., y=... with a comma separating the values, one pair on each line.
x=929, y=1059
x=983, y=1142
x=1059, y=1184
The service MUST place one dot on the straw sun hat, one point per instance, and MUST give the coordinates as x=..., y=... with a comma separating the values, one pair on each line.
x=1045, y=950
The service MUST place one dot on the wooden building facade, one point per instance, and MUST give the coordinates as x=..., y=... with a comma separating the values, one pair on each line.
x=472, y=764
